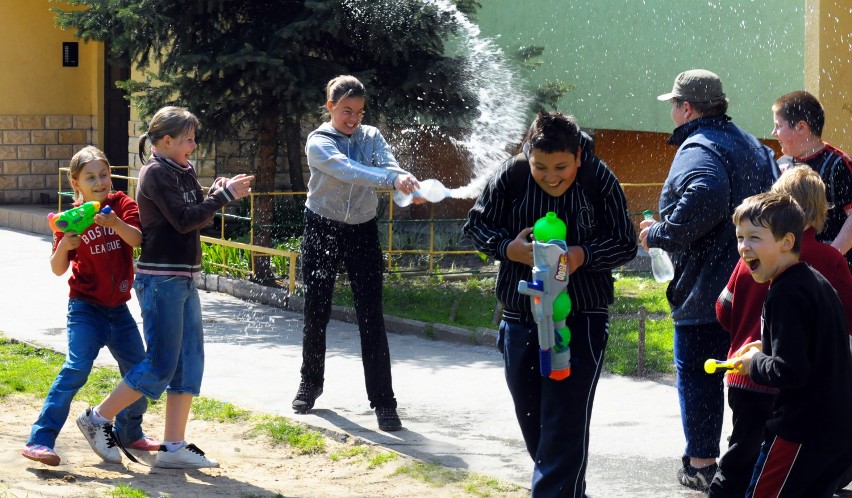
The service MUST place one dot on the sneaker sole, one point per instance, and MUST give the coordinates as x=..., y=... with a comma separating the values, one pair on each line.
x=52, y=461
x=692, y=482
x=301, y=410
x=178, y=465
x=692, y=485
x=308, y=404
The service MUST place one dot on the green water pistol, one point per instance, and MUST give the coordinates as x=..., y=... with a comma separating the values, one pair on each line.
x=76, y=219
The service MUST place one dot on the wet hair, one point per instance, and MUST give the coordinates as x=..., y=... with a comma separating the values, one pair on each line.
x=553, y=132
x=801, y=106
x=780, y=213
x=339, y=88
x=718, y=107
x=171, y=121
x=807, y=188
x=84, y=156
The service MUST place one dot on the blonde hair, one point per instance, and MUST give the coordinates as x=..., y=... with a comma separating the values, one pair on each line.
x=805, y=186
x=79, y=161
x=170, y=120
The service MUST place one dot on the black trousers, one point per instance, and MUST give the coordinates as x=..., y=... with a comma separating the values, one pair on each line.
x=786, y=469
x=554, y=416
x=750, y=412
x=326, y=245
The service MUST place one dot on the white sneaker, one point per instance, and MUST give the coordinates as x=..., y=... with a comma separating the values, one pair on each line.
x=99, y=436
x=188, y=457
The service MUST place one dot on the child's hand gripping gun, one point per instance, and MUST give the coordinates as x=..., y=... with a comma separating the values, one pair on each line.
x=76, y=219
x=550, y=305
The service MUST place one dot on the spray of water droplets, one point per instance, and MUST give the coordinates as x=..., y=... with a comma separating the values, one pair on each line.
x=503, y=102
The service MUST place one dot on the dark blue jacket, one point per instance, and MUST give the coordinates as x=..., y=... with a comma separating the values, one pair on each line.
x=717, y=165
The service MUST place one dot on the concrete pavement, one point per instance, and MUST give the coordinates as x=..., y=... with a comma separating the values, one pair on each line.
x=452, y=397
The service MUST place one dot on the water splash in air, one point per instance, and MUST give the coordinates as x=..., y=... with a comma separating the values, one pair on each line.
x=503, y=102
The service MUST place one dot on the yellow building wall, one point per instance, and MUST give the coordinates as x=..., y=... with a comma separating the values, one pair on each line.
x=47, y=111
x=828, y=66
x=33, y=80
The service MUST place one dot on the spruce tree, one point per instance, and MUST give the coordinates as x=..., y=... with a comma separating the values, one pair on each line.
x=256, y=68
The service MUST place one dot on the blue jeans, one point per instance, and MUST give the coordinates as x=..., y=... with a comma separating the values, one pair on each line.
x=171, y=322
x=701, y=395
x=90, y=328
x=554, y=416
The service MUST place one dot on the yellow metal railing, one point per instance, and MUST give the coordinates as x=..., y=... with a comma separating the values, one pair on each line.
x=257, y=250
x=253, y=251
x=131, y=182
x=430, y=251
x=251, y=248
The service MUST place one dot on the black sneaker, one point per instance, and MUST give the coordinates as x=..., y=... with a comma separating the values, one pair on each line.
x=388, y=419
x=306, y=397
x=699, y=479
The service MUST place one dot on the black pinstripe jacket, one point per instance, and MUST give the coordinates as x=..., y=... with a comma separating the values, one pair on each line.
x=607, y=238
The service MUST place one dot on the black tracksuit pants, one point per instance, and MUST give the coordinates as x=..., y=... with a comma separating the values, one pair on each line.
x=325, y=245
x=750, y=412
x=554, y=416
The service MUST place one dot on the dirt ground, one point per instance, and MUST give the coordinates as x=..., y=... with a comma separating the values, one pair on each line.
x=250, y=467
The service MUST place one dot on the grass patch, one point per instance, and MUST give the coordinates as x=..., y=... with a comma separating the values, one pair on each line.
x=374, y=457
x=25, y=369
x=632, y=292
x=126, y=491
x=381, y=458
x=350, y=452
x=210, y=409
x=471, y=303
x=28, y=370
x=431, y=473
x=622, y=349
x=281, y=430
x=439, y=476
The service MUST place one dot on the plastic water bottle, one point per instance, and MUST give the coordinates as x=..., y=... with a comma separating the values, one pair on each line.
x=432, y=190
x=661, y=264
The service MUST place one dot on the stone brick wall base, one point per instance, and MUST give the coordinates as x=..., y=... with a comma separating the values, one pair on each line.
x=33, y=148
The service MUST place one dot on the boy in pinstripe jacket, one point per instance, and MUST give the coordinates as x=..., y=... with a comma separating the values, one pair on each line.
x=557, y=172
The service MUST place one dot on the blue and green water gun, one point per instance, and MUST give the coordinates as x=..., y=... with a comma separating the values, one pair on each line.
x=549, y=299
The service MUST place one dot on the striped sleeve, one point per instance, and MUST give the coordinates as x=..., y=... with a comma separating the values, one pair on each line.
x=614, y=242
x=488, y=224
x=607, y=238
